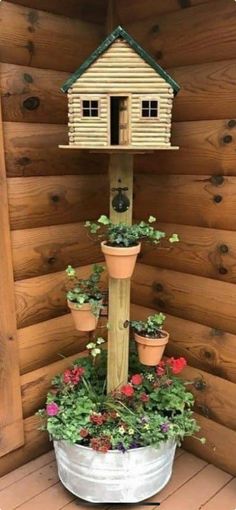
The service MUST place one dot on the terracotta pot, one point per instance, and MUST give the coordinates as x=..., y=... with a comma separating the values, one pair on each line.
x=120, y=261
x=150, y=350
x=84, y=319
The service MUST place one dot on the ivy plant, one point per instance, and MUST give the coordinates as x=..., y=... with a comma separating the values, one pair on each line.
x=81, y=291
x=151, y=327
x=122, y=235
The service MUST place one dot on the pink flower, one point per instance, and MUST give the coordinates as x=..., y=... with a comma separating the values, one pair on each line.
x=127, y=390
x=52, y=409
x=160, y=368
x=144, y=397
x=177, y=365
x=73, y=376
x=137, y=379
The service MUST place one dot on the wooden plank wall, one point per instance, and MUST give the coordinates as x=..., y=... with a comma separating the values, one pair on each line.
x=50, y=193
x=192, y=192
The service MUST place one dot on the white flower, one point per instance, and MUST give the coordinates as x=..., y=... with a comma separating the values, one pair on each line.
x=121, y=430
x=100, y=341
x=91, y=345
x=150, y=377
x=95, y=352
x=131, y=432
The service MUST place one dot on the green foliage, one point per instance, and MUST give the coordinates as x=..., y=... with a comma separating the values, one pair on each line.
x=148, y=410
x=122, y=235
x=151, y=327
x=81, y=291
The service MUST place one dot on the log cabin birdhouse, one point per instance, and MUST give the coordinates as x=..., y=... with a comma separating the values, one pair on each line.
x=120, y=98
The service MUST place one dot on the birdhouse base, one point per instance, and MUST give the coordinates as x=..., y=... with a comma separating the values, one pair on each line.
x=120, y=148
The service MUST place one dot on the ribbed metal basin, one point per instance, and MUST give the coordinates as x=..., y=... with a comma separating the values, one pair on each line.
x=114, y=477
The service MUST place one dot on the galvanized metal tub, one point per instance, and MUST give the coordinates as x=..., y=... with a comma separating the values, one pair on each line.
x=114, y=477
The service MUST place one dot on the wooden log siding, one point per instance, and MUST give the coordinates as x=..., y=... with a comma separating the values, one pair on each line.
x=32, y=37
x=45, y=342
x=88, y=10
x=32, y=150
x=182, y=295
x=202, y=251
x=126, y=14
x=209, y=34
x=43, y=250
x=208, y=201
x=43, y=201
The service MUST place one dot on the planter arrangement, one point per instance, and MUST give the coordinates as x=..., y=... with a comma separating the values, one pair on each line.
x=151, y=339
x=117, y=447
x=84, y=298
x=123, y=243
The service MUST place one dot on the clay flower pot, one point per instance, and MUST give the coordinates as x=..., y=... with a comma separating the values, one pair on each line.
x=120, y=261
x=83, y=317
x=150, y=350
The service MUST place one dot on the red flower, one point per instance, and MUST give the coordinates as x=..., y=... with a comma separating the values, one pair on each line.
x=127, y=390
x=73, y=376
x=101, y=444
x=144, y=397
x=84, y=433
x=160, y=368
x=137, y=379
x=96, y=419
x=177, y=365
x=52, y=409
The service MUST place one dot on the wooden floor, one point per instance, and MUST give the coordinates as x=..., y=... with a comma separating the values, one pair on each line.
x=194, y=485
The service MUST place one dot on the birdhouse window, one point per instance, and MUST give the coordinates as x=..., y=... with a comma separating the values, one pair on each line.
x=90, y=108
x=150, y=108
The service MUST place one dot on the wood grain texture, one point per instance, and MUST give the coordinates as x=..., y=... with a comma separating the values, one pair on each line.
x=35, y=385
x=204, y=147
x=32, y=149
x=43, y=201
x=182, y=295
x=220, y=443
x=87, y=10
x=11, y=424
x=120, y=175
x=206, y=348
x=137, y=10
x=201, y=251
x=32, y=37
x=206, y=91
x=49, y=341
x=216, y=400
x=201, y=34
x=19, y=83
x=192, y=200
x=36, y=443
x=43, y=297
x=44, y=250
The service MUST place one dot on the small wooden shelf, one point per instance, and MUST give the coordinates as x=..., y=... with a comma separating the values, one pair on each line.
x=119, y=148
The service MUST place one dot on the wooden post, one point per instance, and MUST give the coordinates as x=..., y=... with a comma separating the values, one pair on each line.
x=121, y=174
x=11, y=421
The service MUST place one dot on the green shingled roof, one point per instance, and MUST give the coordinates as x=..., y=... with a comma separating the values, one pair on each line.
x=119, y=32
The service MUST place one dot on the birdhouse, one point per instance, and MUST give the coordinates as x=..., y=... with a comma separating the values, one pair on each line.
x=120, y=98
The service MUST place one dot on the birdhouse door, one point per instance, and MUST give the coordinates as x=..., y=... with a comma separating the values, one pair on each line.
x=119, y=120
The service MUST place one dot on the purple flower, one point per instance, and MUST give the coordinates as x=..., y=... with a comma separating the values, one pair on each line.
x=120, y=446
x=52, y=409
x=165, y=427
